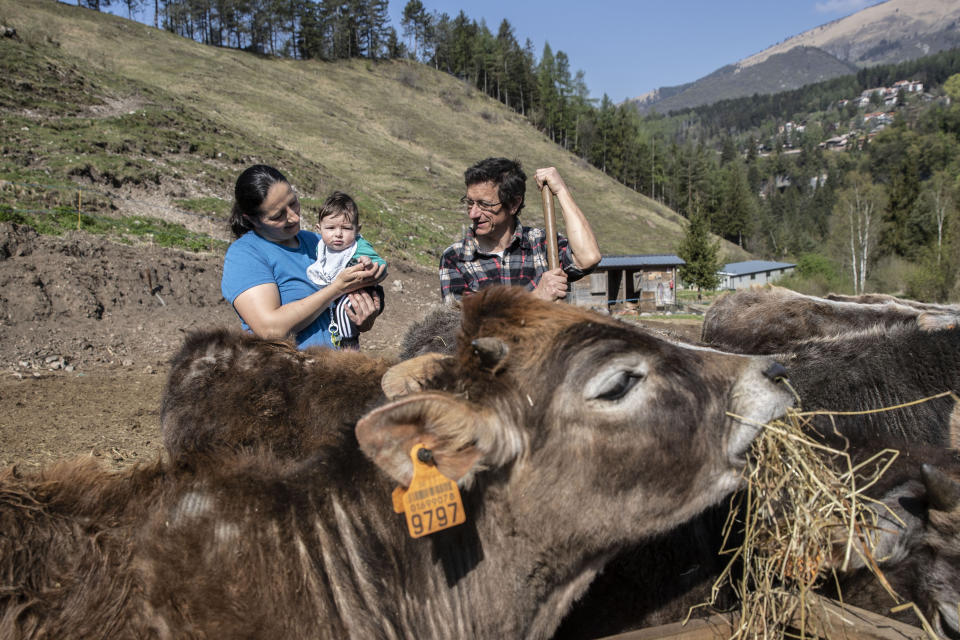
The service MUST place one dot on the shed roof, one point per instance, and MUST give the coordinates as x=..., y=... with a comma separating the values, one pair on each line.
x=637, y=261
x=753, y=266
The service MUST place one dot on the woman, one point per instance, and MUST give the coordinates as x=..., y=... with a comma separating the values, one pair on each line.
x=265, y=269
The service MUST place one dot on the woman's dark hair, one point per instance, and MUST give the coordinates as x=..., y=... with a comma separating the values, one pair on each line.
x=249, y=194
x=507, y=174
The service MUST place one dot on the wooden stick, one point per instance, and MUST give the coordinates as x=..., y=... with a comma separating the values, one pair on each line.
x=550, y=226
x=834, y=621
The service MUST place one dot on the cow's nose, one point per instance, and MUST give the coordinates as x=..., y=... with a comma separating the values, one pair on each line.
x=775, y=371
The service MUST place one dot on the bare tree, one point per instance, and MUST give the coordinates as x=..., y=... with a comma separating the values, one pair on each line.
x=939, y=198
x=856, y=218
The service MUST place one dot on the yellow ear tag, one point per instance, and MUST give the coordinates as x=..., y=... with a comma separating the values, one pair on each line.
x=398, y=494
x=432, y=501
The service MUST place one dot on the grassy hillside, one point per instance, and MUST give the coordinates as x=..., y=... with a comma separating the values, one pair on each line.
x=155, y=125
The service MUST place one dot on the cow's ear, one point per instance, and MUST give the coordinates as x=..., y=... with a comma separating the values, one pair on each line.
x=411, y=375
x=943, y=492
x=445, y=425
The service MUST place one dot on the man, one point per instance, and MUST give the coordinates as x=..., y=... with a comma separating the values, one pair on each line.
x=497, y=249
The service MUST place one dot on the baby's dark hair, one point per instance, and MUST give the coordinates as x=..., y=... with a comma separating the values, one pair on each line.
x=340, y=204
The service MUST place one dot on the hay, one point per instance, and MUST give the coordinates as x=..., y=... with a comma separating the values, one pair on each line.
x=803, y=515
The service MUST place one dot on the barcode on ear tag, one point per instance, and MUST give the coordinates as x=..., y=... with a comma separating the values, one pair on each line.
x=432, y=501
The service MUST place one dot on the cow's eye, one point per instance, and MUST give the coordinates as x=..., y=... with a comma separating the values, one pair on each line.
x=619, y=385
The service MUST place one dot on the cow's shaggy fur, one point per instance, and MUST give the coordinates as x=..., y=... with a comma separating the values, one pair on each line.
x=770, y=319
x=920, y=544
x=883, y=298
x=228, y=390
x=877, y=368
x=571, y=440
x=853, y=354
x=436, y=333
x=62, y=530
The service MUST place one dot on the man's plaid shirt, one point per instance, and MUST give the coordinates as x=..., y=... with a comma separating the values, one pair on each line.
x=465, y=270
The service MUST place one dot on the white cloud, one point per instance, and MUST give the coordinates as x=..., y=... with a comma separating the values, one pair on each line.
x=845, y=7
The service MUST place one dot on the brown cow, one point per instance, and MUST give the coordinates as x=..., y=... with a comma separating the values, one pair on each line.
x=883, y=298
x=228, y=390
x=875, y=369
x=917, y=548
x=770, y=319
x=436, y=333
x=919, y=542
x=853, y=355
x=571, y=437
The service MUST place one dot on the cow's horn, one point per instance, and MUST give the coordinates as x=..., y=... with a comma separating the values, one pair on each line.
x=490, y=351
x=942, y=490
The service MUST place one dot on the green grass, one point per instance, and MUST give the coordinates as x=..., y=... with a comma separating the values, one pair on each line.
x=62, y=219
x=691, y=296
x=215, y=207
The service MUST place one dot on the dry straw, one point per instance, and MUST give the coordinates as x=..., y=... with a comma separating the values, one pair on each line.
x=803, y=515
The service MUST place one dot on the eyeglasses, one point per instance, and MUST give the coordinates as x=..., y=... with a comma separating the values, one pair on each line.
x=488, y=207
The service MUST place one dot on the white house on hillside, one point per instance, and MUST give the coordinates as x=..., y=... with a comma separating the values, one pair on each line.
x=737, y=275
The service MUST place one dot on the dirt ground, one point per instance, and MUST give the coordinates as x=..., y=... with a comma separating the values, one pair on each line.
x=87, y=327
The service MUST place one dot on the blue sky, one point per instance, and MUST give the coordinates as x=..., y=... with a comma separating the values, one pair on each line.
x=629, y=47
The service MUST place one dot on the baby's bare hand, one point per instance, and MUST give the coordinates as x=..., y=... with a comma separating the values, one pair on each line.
x=360, y=275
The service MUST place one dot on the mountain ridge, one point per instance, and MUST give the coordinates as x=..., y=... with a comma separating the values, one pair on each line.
x=888, y=32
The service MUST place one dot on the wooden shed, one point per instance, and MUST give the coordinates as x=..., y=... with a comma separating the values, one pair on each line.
x=646, y=282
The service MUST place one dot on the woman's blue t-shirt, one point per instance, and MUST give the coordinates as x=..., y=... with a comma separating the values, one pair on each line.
x=252, y=261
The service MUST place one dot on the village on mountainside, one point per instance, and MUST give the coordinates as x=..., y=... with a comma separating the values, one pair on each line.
x=863, y=126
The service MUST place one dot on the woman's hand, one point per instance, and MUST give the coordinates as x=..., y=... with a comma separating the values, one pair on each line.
x=363, y=310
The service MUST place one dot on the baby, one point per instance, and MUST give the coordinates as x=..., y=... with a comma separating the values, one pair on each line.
x=342, y=246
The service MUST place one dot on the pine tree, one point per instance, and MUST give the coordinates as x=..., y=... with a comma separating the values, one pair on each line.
x=132, y=5
x=564, y=85
x=547, y=89
x=485, y=61
x=463, y=38
x=600, y=150
x=440, y=42
x=737, y=205
x=509, y=66
x=728, y=150
x=700, y=254
x=416, y=27
x=96, y=5
x=375, y=30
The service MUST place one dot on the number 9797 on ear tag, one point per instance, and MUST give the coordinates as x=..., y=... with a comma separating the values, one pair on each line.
x=432, y=501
